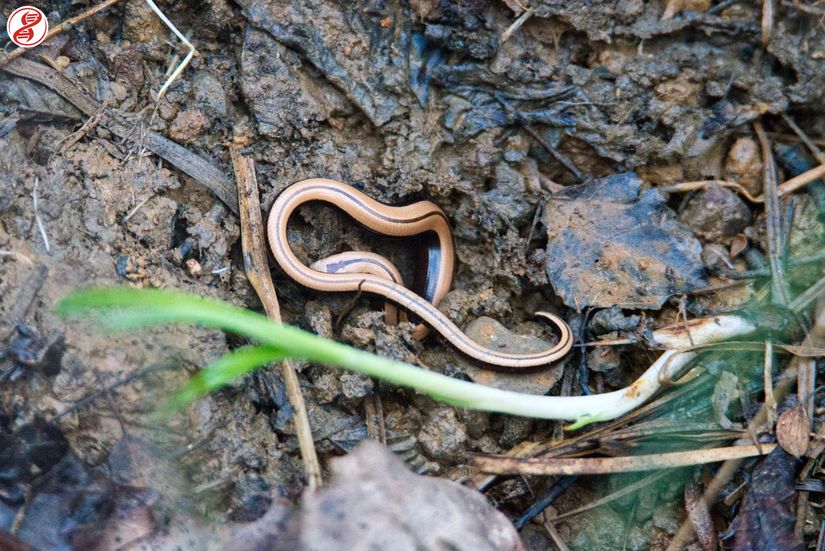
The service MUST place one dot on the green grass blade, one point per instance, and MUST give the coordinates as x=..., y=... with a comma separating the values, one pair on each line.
x=221, y=372
x=123, y=308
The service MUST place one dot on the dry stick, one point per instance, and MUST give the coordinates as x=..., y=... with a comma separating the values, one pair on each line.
x=805, y=391
x=809, y=143
x=257, y=271
x=767, y=21
x=62, y=27
x=610, y=465
x=555, y=536
x=773, y=211
x=786, y=187
x=516, y=25
x=770, y=399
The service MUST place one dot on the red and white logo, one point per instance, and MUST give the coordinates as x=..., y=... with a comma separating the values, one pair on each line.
x=27, y=26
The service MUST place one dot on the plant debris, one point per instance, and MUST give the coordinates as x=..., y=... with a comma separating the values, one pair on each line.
x=610, y=243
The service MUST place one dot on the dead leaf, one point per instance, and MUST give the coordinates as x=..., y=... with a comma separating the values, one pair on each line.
x=610, y=243
x=766, y=519
x=374, y=502
x=792, y=430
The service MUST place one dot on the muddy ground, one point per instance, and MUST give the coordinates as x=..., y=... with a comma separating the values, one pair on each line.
x=424, y=100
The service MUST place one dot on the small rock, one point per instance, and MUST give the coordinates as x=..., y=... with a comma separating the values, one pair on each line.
x=744, y=165
x=516, y=429
x=610, y=242
x=665, y=519
x=604, y=359
x=716, y=213
x=612, y=319
x=675, y=7
x=251, y=498
x=141, y=25
x=194, y=267
x=662, y=174
x=188, y=126
x=319, y=318
x=355, y=385
x=167, y=110
x=118, y=91
x=209, y=94
x=62, y=61
x=443, y=436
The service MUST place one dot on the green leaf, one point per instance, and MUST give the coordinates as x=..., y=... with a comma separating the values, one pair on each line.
x=221, y=372
x=123, y=308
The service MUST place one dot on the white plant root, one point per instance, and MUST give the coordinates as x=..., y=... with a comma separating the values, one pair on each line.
x=610, y=405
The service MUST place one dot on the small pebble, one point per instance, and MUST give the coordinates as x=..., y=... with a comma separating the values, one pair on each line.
x=62, y=61
x=612, y=319
x=188, y=126
x=194, y=267
x=744, y=165
x=604, y=359
x=118, y=91
x=716, y=214
x=443, y=436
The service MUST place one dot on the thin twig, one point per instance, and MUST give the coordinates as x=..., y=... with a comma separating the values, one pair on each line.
x=770, y=399
x=136, y=208
x=810, y=10
x=610, y=465
x=37, y=219
x=179, y=69
x=766, y=272
x=567, y=163
x=721, y=6
x=773, y=214
x=555, y=153
x=516, y=25
x=257, y=271
x=181, y=158
x=809, y=143
x=89, y=398
x=555, y=536
x=789, y=186
x=768, y=16
x=57, y=29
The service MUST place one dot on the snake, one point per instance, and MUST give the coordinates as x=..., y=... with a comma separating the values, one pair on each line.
x=358, y=271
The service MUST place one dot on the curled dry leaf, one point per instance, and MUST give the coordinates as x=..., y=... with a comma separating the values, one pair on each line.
x=766, y=518
x=374, y=502
x=792, y=430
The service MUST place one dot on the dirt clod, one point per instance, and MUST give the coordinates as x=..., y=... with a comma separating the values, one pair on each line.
x=716, y=214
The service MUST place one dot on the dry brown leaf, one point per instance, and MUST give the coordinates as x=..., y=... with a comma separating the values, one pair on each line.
x=375, y=502
x=792, y=430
